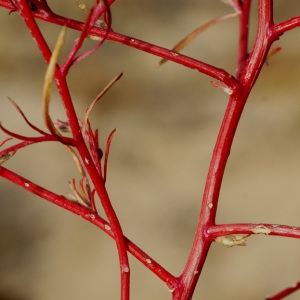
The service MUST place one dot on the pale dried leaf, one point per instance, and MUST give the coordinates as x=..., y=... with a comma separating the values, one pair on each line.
x=99, y=96
x=190, y=37
x=49, y=79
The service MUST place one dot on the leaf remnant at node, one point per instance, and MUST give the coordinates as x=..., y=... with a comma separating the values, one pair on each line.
x=232, y=240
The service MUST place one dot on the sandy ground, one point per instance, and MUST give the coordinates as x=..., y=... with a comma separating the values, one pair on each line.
x=167, y=120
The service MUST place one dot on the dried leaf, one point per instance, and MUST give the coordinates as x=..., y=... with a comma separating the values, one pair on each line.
x=48, y=82
x=99, y=96
x=178, y=47
x=6, y=157
x=92, y=140
x=232, y=240
x=233, y=3
x=77, y=196
x=77, y=161
x=271, y=53
x=82, y=6
x=108, y=143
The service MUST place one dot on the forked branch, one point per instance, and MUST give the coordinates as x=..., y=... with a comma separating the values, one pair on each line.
x=92, y=162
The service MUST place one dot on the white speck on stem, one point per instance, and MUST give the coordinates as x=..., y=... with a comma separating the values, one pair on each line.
x=148, y=261
x=92, y=216
x=228, y=91
x=261, y=229
x=107, y=227
x=210, y=205
x=125, y=269
x=27, y=184
x=171, y=289
x=86, y=161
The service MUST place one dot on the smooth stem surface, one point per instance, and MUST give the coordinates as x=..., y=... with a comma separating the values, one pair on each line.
x=286, y=292
x=237, y=101
x=249, y=65
x=90, y=216
x=201, y=244
x=82, y=149
x=243, y=36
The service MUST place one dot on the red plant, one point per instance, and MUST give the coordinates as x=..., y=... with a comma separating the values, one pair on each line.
x=92, y=162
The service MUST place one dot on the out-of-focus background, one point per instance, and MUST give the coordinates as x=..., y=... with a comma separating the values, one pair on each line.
x=167, y=120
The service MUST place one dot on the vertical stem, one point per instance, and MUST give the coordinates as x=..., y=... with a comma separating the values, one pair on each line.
x=82, y=149
x=188, y=279
x=251, y=69
x=244, y=37
x=262, y=44
x=101, y=190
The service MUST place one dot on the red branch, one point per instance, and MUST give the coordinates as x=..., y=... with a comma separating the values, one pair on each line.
x=249, y=65
x=215, y=231
x=286, y=292
x=24, y=10
x=93, y=218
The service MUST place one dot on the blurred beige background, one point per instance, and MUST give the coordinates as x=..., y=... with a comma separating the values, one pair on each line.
x=167, y=120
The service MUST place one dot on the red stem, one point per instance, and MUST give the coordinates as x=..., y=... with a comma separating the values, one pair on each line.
x=99, y=186
x=201, y=244
x=181, y=59
x=244, y=36
x=248, y=69
x=264, y=38
x=237, y=101
x=215, y=231
x=286, y=292
x=283, y=27
x=82, y=149
x=90, y=216
x=46, y=138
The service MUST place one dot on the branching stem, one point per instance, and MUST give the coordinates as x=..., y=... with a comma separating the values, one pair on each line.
x=85, y=141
